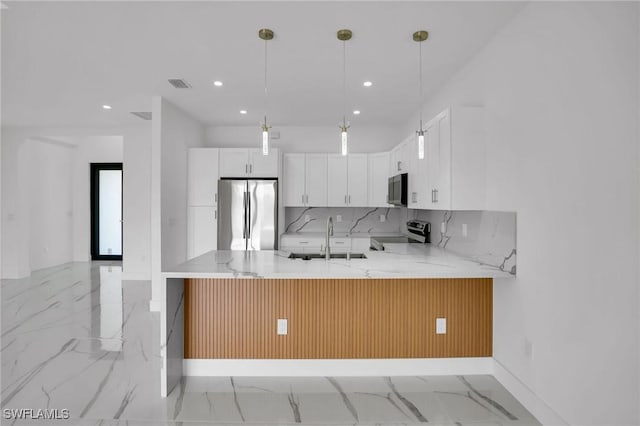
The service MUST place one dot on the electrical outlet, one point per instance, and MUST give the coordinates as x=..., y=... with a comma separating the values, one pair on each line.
x=441, y=326
x=338, y=218
x=383, y=218
x=282, y=327
x=307, y=218
x=464, y=229
x=443, y=227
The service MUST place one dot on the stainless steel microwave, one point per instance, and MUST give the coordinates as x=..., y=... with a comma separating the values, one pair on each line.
x=397, y=191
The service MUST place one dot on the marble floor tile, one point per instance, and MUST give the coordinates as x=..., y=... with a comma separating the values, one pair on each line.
x=77, y=337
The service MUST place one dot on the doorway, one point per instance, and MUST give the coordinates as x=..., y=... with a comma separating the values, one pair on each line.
x=106, y=211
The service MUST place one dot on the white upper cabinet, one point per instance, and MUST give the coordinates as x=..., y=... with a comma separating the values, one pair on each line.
x=305, y=180
x=337, y=180
x=418, y=174
x=234, y=162
x=399, y=159
x=452, y=175
x=202, y=180
x=347, y=181
x=468, y=172
x=294, y=176
x=357, y=195
x=316, y=180
x=248, y=162
x=378, y=184
x=263, y=165
x=439, y=161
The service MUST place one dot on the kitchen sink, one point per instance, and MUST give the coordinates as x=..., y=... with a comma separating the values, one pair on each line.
x=311, y=256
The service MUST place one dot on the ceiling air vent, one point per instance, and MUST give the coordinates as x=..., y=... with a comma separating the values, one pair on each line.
x=179, y=83
x=145, y=115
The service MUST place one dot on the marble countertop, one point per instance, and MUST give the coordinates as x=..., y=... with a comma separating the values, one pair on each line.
x=343, y=234
x=397, y=261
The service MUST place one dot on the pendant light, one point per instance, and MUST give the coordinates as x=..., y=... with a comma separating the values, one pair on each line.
x=344, y=35
x=420, y=36
x=266, y=35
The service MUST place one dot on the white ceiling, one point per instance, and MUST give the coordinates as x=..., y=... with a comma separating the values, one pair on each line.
x=62, y=61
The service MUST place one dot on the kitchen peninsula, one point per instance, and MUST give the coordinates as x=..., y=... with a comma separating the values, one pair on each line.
x=225, y=305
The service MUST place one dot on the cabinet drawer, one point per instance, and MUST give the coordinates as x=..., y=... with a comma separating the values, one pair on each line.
x=300, y=242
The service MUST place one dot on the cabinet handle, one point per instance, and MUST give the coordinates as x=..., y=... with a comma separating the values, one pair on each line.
x=303, y=242
x=307, y=198
x=216, y=197
x=250, y=168
x=432, y=197
x=215, y=214
x=349, y=199
x=398, y=166
x=345, y=199
x=246, y=168
x=436, y=193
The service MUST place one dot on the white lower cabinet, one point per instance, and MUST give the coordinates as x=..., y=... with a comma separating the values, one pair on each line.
x=202, y=230
x=301, y=243
x=360, y=244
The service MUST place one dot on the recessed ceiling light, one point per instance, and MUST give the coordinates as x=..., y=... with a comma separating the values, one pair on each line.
x=106, y=106
x=356, y=112
x=367, y=84
x=243, y=111
x=217, y=83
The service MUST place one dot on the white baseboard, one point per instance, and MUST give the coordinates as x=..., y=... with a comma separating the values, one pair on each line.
x=135, y=276
x=527, y=397
x=154, y=305
x=337, y=367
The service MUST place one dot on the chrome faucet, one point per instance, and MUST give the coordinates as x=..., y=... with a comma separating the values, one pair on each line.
x=327, y=253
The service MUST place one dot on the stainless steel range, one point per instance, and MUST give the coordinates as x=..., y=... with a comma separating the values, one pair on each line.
x=419, y=232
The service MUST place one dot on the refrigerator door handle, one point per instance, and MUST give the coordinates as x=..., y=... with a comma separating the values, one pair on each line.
x=249, y=215
x=244, y=207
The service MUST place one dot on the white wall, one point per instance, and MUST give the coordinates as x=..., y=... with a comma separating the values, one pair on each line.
x=560, y=86
x=16, y=169
x=306, y=139
x=88, y=149
x=136, y=174
x=174, y=132
x=50, y=201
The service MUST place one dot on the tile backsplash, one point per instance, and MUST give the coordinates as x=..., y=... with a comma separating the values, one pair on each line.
x=490, y=236
x=354, y=219
x=490, y=239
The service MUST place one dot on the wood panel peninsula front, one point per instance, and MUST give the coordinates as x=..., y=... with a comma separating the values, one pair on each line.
x=224, y=305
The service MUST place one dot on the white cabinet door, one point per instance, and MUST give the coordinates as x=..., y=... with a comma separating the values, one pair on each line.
x=439, y=162
x=378, y=182
x=263, y=165
x=316, y=180
x=337, y=180
x=294, y=177
x=202, y=182
x=403, y=157
x=234, y=162
x=357, y=180
x=360, y=244
x=202, y=230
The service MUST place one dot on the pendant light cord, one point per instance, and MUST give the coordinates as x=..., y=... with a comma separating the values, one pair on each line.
x=344, y=83
x=266, y=94
x=421, y=91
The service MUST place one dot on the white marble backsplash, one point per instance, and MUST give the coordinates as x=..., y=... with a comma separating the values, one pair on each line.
x=490, y=240
x=354, y=219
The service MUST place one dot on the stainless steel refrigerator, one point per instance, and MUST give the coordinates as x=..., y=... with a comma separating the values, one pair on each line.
x=247, y=214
